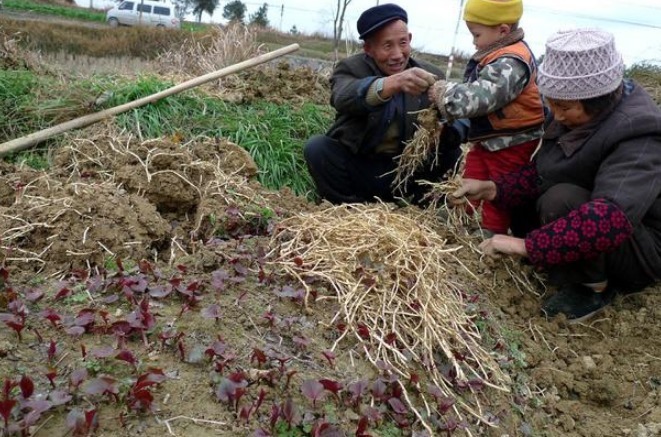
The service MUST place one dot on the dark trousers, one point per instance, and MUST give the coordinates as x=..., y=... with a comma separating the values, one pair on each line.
x=620, y=268
x=344, y=177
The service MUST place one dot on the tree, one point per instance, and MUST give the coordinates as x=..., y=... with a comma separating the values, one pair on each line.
x=235, y=11
x=338, y=24
x=201, y=6
x=259, y=18
x=183, y=7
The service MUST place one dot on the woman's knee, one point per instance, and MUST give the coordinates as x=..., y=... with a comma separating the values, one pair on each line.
x=559, y=200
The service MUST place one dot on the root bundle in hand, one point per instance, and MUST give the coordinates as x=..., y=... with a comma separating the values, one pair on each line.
x=418, y=150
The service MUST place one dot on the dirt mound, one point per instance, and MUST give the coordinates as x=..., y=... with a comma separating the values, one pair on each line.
x=108, y=196
x=79, y=225
x=279, y=83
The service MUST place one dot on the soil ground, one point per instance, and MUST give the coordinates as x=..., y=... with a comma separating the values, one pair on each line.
x=187, y=231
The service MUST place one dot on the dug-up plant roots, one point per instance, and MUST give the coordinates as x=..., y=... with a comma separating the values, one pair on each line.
x=419, y=148
x=12, y=57
x=464, y=224
x=400, y=293
x=218, y=48
x=459, y=218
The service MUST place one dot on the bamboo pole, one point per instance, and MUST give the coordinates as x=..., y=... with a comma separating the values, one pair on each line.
x=34, y=138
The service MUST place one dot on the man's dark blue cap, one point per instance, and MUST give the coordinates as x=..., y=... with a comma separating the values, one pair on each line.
x=376, y=17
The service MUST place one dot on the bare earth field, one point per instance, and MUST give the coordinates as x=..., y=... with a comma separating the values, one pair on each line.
x=149, y=288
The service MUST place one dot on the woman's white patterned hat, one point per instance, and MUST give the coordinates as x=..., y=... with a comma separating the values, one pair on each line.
x=580, y=64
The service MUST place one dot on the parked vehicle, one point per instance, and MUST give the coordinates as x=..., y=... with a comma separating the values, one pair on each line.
x=143, y=12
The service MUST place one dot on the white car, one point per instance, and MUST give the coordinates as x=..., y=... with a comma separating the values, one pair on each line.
x=143, y=12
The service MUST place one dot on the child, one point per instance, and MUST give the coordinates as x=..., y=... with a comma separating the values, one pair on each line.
x=500, y=98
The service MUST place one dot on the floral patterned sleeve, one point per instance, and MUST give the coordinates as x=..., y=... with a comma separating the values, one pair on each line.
x=516, y=189
x=597, y=227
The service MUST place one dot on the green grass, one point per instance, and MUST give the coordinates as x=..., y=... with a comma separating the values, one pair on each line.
x=32, y=159
x=56, y=10
x=16, y=88
x=272, y=133
x=29, y=102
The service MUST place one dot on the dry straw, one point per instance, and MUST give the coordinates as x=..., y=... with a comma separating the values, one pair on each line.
x=13, y=57
x=220, y=47
x=395, y=275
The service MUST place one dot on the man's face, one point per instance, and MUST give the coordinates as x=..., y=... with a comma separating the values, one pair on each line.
x=390, y=47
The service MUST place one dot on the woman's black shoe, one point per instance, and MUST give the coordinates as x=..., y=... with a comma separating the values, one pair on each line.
x=577, y=302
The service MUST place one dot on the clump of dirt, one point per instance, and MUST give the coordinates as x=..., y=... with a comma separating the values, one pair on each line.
x=280, y=83
x=132, y=200
x=169, y=174
x=49, y=225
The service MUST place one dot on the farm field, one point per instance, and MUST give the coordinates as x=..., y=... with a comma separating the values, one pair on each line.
x=168, y=272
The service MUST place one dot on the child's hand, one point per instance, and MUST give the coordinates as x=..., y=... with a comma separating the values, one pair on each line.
x=436, y=91
x=473, y=189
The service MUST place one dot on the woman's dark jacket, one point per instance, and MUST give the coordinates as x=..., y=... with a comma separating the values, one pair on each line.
x=618, y=159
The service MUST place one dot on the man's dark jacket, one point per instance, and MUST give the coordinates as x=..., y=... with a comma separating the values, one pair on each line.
x=359, y=126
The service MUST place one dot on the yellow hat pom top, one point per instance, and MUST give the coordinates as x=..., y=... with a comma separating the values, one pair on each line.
x=493, y=12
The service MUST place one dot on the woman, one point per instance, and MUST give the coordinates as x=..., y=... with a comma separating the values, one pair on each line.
x=595, y=182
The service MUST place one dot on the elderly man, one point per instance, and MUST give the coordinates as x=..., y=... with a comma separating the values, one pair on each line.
x=376, y=95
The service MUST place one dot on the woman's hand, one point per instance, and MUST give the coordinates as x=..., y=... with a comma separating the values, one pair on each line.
x=473, y=189
x=504, y=245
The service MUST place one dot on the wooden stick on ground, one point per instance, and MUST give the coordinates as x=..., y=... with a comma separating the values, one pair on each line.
x=34, y=138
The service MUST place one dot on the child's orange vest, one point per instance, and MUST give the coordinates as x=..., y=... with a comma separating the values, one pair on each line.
x=523, y=113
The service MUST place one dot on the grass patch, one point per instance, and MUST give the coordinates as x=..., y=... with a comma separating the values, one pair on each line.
x=72, y=12
x=31, y=102
x=139, y=41
x=33, y=159
x=15, y=94
x=274, y=134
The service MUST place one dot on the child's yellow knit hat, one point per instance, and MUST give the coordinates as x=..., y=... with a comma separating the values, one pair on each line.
x=493, y=12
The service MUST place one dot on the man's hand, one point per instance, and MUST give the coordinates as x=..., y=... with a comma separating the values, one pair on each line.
x=504, y=245
x=473, y=189
x=414, y=81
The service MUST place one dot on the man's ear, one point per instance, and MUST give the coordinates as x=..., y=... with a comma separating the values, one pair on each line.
x=367, y=47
